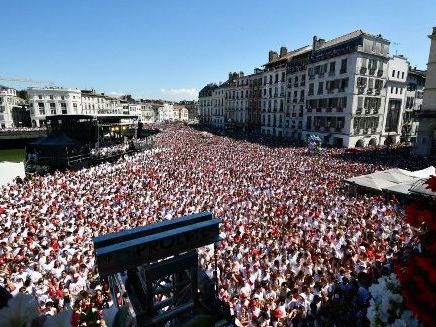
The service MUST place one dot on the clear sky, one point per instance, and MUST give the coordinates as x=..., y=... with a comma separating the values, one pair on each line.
x=170, y=49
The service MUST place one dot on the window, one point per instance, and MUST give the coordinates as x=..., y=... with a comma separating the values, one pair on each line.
x=332, y=68
x=63, y=108
x=51, y=97
x=398, y=74
x=320, y=88
x=39, y=96
x=41, y=108
x=402, y=75
x=401, y=90
x=343, y=66
x=396, y=90
x=392, y=89
x=393, y=73
x=311, y=87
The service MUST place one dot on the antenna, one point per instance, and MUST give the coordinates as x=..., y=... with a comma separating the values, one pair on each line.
x=396, y=47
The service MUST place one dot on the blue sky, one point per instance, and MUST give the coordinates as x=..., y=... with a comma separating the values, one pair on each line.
x=170, y=49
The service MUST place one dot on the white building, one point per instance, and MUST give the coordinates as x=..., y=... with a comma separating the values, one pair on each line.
x=98, y=103
x=205, y=103
x=8, y=102
x=274, y=94
x=414, y=97
x=345, y=95
x=181, y=113
x=53, y=101
x=426, y=138
x=217, y=115
x=396, y=87
x=166, y=113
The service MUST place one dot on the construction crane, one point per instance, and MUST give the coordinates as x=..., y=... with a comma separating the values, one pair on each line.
x=25, y=80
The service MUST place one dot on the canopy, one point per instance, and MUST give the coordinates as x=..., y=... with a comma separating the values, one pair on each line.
x=395, y=180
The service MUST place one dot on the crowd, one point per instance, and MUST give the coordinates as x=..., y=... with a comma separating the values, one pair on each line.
x=21, y=129
x=298, y=248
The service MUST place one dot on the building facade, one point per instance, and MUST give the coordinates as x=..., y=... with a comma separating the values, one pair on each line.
x=273, y=94
x=10, y=106
x=426, y=137
x=205, y=103
x=414, y=97
x=53, y=101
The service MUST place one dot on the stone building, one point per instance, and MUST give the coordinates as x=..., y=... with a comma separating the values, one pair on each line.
x=426, y=137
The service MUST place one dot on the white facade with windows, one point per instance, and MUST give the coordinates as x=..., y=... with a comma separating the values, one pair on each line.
x=53, y=101
x=166, y=113
x=396, y=87
x=8, y=101
x=98, y=103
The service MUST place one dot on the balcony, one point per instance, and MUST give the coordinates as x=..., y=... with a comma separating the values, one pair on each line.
x=296, y=84
x=367, y=111
x=360, y=90
x=329, y=110
x=358, y=111
x=330, y=91
x=380, y=73
x=339, y=109
x=303, y=84
x=311, y=77
x=331, y=73
x=341, y=89
x=372, y=71
x=310, y=93
x=294, y=100
x=321, y=75
x=343, y=71
x=318, y=110
x=369, y=91
x=309, y=109
x=363, y=70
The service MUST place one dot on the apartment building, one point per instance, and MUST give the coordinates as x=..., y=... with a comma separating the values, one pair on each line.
x=345, y=95
x=205, y=103
x=217, y=113
x=273, y=94
x=11, y=108
x=348, y=91
x=52, y=101
x=255, y=100
x=94, y=103
x=296, y=92
x=414, y=96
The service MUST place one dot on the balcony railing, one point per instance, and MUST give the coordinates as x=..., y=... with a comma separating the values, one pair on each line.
x=380, y=73
x=363, y=70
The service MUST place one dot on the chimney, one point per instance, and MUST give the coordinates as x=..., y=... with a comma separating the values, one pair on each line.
x=230, y=76
x=314, y=44
x=270, y=55
x=241, y=74
x=283, y=51
x=434, y=30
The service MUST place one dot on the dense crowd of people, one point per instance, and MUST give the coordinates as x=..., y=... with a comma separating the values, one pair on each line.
x=21, y=129
x=298, y=249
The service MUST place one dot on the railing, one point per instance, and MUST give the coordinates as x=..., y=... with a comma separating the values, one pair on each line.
x=363, y=70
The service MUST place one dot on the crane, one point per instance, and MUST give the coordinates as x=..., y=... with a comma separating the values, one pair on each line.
x=25, y=80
